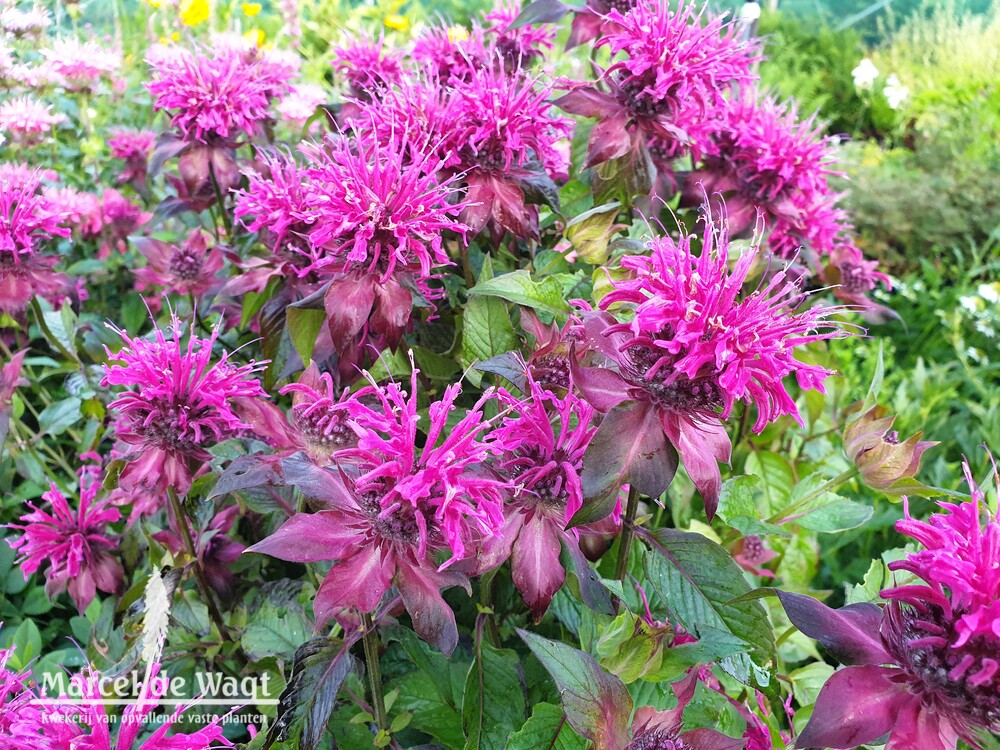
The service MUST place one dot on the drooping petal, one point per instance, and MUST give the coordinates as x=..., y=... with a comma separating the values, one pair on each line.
x=357, y=581
x=432, y=618
x=702, y=445
x=535, y=565
x=850, y=634
x=310, y=537
x=856, y=706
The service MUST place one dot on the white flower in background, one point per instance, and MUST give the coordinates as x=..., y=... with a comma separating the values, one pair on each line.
x=990, y=292
x=895, y=92
x=865, y=74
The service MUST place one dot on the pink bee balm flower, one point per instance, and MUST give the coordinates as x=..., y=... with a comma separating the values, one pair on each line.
x=81, y=64
x=320, y=420
x=926, y=669
x=219, y=94
x=27, y=120
x=301, y=102
x=520, y=46
x=121, y=218
x=544, y=445
x=28, y=220
x=448, y=54
x=506, y=141
x=692, y=349
x=367, y=67
x=677, y=70
x=182, y=404
x=764, y=159
x=191, y=268
x=73, y=544
x=81, y=211
x=391, y=508
x=383, y=215
x=134, y=148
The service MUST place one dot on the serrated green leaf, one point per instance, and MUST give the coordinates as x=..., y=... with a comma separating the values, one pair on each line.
x=519, y=287
x=275, y=631
x=547, y=729
x=493, y=706
x=698, y=580
x=303, y=327
x=56, y=418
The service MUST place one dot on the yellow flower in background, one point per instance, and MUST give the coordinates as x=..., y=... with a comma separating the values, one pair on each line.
x=251, y=9
x=194, y=12
x=457, y=33
x=256, y=36
x=397, y=22
x=155, y=3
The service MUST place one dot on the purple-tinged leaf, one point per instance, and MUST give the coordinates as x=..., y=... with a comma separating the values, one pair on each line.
x=509, y=365
x=609, y=139
x=593, y=593
x=587, y=102
x=603, y=389
x=360, y=580
x=541, y=11
x=850, y=634
x=535, y=566
x=309, y=537
x=433, y=619
x=348, y=304
x=167, y=147
x=596, y=703
x=630, y=448
x=248, y=472
x=856, y=706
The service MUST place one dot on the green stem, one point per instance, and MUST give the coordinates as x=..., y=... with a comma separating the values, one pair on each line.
x=222, y=204
x=371, y=640
x=486, y=599
x=206, y=591
x=788, y=513
x=628, y=533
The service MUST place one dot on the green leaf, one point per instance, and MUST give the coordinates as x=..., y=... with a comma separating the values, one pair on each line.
x=275, y=631
x=494, y=699
x=597, y=704
x=56, y=418
x=777, y=475
x=836, y=514
x=487, y=330
x=739, y=506
x=871, y=398
x=303, y=327
x=431, y=714
x=547, y=729
x=430, y=661
x=27, y=645
x=305, y=705
x=590, y=232
x=698, y=580
x=518, y=287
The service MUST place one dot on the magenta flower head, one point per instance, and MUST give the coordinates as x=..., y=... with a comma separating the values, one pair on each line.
x=72, y=544
x=182, y=404
x=693, y=347
x=216, y=98
x=320, y=419
x=28, y=221
x=926, y=669
x=763, y=159
x=519, y=46
x=506, y=140
x=383, y=215
x=133, y=147
x=367, y=67
x=219, y=94
x=191, y=268
x=392, y=511
x=80, y=65
x=669, y=67
x=544, y=444
x=450, y=54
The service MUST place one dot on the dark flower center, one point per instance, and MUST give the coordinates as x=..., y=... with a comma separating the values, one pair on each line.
x=324, y=428
x=548, y=489
x=963, y=682
x=855, y=279
x=167, y=428
x=400, y=526
x=185, y=264
x=657, y=739
x=702, y=394
x=634, y=95
x=551, y=371
x=753, y=548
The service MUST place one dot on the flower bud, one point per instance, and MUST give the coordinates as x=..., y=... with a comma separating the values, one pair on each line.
x=876, y=450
